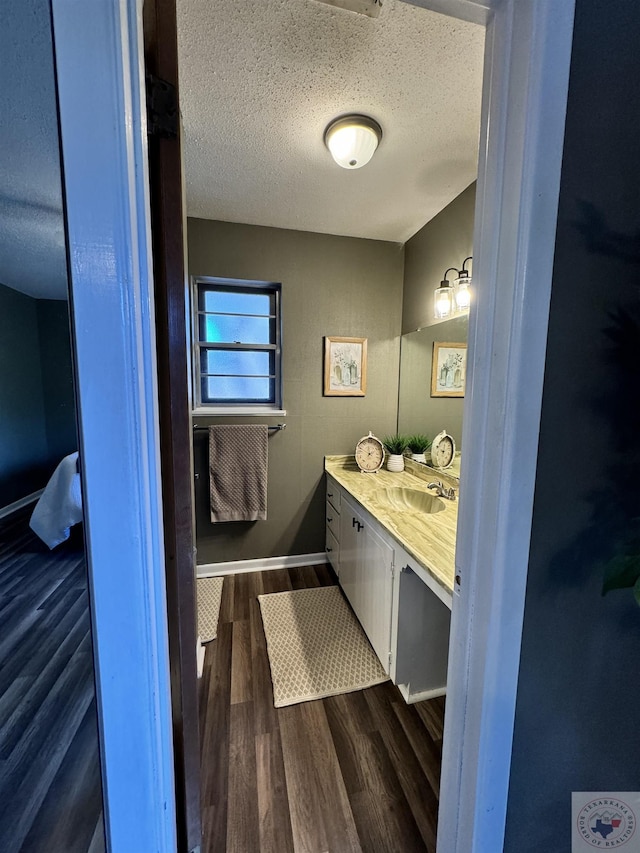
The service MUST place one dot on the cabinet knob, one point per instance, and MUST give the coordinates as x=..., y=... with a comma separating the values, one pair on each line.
x=329, y=519
x=329, y=494
x=329, y=549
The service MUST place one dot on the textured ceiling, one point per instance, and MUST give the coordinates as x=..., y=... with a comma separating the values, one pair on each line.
x=261, y=79
x=32, y=240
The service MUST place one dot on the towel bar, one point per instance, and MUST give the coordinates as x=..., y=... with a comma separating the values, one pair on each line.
x=203, y=427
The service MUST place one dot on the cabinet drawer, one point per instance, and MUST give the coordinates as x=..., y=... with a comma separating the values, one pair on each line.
x=332, y=519
x=333, y=495
x=333, y=550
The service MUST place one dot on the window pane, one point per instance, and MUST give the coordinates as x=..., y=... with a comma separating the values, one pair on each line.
x=237, y=388
x=237, y=362
x=246, y=330
x=230, y=302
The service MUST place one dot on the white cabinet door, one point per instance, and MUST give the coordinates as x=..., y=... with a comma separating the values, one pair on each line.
x=366, y=562
x=377, y=587
x=350, y=550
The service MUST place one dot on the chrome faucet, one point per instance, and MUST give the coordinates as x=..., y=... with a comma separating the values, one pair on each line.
x=442, y=491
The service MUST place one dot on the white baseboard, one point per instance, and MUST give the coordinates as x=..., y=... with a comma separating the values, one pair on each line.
x=264, y=564
x=412, y=698
x=16, y=505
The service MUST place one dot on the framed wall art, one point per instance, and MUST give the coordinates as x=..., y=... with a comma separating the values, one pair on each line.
x=345, y=367
x=449, y=369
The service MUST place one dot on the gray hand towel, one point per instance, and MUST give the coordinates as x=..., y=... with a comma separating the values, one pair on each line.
x=238, y=472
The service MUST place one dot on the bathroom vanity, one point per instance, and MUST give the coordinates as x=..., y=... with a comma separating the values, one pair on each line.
x=391, y=542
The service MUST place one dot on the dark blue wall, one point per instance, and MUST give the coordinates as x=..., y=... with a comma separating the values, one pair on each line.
x=578, y=700
x=37, y=407
x=23, y=431
x=57, y=378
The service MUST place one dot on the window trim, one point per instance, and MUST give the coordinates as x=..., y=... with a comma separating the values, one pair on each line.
x=274, y=407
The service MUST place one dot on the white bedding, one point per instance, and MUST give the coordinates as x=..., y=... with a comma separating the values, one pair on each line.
x=60, y=505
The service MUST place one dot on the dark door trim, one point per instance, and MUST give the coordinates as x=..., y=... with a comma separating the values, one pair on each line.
x=167, y=227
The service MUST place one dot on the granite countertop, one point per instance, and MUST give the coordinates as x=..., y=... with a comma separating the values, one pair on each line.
x=430, y=538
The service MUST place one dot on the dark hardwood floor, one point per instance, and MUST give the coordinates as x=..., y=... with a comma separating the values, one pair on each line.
x=50, y=789
x=356, y=772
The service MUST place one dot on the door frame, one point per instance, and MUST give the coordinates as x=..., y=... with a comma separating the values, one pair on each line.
x=100, y=81
x=524, y=104
x=527, y=55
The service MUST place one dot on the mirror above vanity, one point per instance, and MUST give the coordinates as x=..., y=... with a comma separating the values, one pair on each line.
x=418, y=411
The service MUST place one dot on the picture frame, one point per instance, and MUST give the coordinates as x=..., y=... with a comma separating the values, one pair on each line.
x=448, y=369
x=345, y=367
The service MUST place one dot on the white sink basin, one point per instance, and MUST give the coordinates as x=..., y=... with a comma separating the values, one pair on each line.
x=411, y=500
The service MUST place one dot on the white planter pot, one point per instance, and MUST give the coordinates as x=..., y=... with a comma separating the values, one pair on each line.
x=395, y=462
x=419, y=457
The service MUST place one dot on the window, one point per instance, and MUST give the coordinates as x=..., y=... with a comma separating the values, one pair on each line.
x=237, y=344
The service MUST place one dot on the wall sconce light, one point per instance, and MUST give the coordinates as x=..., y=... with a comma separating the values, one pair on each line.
x=443, y=298
x=461, y=288
x=453, y=298
x=352, y=140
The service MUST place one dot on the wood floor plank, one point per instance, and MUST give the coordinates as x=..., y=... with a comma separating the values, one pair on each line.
x=214, y=742
x=79, y=777
x=241, y=681
x=273, y=805
x=338, y=817
x=50, y=789
x=38, y=755
x=243, y=828
x=383, y=817
x=98, y=844
x=422, y=801
x=325, y=574
x=214, y=726
x=428, y=752
x=277, y=580
x=255, y=586
x=350, y=721
x=265, y=715
x=432, y=715
x=241, y=591
x=51, y=638
x=227, y=600
x=307, y=824
x=303, y=577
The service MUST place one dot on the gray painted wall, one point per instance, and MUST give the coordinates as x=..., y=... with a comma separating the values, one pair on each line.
x=331, y=286
x=578, y=698
x=37, y=406
x=418, y=411
x=444, y=242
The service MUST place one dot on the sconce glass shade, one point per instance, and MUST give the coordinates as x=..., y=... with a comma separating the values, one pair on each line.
x=353, y=140
x=443, y=301
x=462, y=292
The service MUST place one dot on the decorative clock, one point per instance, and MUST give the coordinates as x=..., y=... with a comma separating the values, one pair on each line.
x=369, y=454
x=443, y=450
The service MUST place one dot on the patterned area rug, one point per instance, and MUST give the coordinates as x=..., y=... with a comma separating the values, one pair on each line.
x=209, y=595
x=316, y=646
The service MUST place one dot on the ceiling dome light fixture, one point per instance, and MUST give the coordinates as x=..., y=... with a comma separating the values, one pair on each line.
x=352, y=140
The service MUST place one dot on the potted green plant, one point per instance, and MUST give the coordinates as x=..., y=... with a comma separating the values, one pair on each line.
x=395, y=445
x=417, y=445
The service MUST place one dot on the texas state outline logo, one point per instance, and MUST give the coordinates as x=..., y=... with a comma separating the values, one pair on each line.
x=605, y=821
